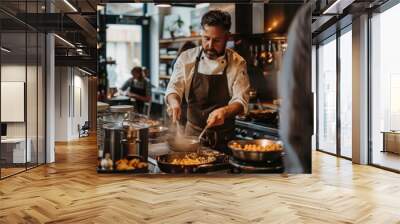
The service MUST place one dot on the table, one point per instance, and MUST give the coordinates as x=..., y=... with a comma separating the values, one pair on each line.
x=391, y=141
x=13, y=150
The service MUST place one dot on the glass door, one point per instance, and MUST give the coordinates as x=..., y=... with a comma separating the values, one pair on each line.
x=385, y=89
x=326, y=102
x=345, y=43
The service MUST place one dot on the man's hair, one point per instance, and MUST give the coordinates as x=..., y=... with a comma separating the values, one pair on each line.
x=136, y=69
x=217, y=18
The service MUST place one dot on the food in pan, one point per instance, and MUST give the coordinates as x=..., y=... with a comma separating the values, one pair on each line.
x=151, y=123
x=193, y=159
x=257, y=148
x=125, y=164
x=262, y=111
x=148, y=122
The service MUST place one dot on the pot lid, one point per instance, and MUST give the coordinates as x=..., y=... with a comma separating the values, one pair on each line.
x=113, y=126
x=121, y=108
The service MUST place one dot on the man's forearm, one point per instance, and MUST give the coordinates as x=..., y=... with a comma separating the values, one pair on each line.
x=233, y=109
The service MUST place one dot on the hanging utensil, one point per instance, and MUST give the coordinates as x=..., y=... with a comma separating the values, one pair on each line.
x=255, y=60
x=269, y=56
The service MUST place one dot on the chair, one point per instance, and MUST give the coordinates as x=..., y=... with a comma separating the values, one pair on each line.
x=84, y=130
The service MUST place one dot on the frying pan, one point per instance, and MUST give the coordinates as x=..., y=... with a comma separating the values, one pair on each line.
x=158, y=131
x=263, y=114
x=165, y=165
x=255, y=156
x=183, y=143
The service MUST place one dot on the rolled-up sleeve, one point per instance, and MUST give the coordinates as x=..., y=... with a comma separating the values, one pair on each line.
x=177, y=82
x=241, y=87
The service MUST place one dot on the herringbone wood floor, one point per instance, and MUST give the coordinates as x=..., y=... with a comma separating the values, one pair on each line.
x=70, y=191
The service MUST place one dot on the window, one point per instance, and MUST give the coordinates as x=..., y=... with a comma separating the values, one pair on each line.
x=131, y=9
x=327, y=96
x=385, y=88
x=334, y=73
x=124, y=49
x=22, y=75
x=346, y=94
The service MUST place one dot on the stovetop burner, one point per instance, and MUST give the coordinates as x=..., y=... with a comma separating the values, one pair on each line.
x=255, y=130
x=246, y=167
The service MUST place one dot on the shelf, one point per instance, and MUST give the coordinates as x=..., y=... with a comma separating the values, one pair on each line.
x=164, y=77
x=167, y=57
x=179, y=39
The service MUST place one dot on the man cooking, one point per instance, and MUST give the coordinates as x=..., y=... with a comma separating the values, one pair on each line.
x=213, y=79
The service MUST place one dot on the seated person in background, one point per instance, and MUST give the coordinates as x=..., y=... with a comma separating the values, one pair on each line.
x=139, y=89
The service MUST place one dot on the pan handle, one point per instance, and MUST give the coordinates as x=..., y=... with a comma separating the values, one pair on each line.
x=203, y=167
x=211, y=165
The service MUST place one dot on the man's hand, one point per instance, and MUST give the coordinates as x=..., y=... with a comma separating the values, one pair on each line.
x=174, y=108
x=217, y=117
x=174, y=112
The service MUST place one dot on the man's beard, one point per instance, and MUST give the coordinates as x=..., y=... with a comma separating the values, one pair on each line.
x=211, y=53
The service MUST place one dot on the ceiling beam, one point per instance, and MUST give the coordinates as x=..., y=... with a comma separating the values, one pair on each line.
x=89, y=30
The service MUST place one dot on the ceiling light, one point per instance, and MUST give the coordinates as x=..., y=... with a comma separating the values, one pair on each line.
x=70, y=5
x=5, y=50
x=64, y=40
x=202, y=5
x=337, y=7
x=163, y=5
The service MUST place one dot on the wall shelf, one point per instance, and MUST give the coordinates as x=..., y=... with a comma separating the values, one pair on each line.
x=179, y=39
x=164, y=77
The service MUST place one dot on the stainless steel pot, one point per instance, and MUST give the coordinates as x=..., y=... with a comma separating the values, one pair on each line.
x=255, y=156
x=136, y=139
x=119, y=113
x=114, y=136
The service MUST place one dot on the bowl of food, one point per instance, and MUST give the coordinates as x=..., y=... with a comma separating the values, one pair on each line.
x=260, y=150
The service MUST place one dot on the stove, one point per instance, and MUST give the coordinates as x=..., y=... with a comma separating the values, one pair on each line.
x=238, y=166
x=248, y=129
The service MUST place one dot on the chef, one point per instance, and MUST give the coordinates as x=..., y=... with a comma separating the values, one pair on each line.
x=213, y=80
